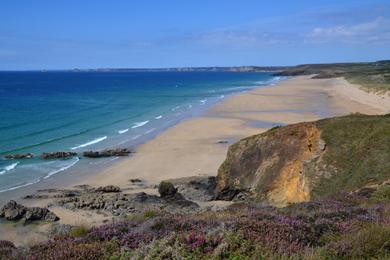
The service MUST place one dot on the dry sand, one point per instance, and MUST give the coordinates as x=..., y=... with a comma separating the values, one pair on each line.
x=194, y=148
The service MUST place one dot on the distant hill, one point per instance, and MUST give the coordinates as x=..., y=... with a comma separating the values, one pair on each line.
x=190, y=69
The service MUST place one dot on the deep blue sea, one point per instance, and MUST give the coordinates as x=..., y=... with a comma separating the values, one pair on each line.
x=78, y=111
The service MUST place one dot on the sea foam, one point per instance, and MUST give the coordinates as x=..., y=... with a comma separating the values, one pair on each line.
x=139, y=124
x=20, y=186
x=123, y=131
x=149, y=131
x=97, y=140
x=8, y=168
x=62, y=169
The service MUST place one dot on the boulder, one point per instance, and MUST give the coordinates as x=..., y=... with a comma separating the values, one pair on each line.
x=57, y=155
x=13, y=211
x=36, y=213
x=18, y=156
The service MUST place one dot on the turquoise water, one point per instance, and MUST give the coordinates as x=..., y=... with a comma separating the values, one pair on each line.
x=77, y=111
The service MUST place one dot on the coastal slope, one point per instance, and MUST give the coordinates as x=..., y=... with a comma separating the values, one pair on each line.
x=309, y=160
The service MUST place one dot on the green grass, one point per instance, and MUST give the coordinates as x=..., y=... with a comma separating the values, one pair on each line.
x=79, y=231
x=358, y=148
x=382, y=194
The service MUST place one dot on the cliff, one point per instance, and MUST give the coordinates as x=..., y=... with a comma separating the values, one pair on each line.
x=310, y=160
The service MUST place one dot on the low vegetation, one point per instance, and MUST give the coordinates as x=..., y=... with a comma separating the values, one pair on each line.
x=355, y=225
x=358, y=149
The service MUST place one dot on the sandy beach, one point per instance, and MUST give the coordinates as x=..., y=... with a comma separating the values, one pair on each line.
x=198, y=146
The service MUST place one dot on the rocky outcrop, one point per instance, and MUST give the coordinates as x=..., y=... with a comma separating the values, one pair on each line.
x=111, y=200
x=19, y=156
x=299, y=162
x=107, y=153
x=270, y=165
x=109, y=188
x=169, y=194
x=57, y=155
x=13, y=211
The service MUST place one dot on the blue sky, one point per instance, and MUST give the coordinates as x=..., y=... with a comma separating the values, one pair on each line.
x=37, y=34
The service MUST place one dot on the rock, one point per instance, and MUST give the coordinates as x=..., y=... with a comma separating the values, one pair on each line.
x=107, y=153
x=66, y=194
x=57, y=155
x=227, y=194
x=36, y=213
x=166, y=189
x=135, y=180
x=169, y=194
x=13, y=211
x=19, y=156
x=272, y=165
x=207, y=184
x=91, y=154
x=222, y=142
x=109, y=188
x=36, y=196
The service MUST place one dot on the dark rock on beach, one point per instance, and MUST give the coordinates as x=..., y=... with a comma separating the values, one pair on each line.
x=19, y=156
x=13, y=211
x=109, y=188
x=36, y=213
x=107, y=153
x=57, y=155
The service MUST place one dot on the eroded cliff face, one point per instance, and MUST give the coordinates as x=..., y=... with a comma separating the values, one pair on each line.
x=284, y=165
x=270, y=166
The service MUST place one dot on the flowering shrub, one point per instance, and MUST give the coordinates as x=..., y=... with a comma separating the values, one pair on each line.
x=6, y=248
x=345, y=227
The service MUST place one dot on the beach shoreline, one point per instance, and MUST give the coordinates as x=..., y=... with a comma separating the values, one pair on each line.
x=197, y=146
x=237, y=116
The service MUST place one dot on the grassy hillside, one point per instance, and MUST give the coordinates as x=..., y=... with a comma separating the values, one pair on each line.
x=304, y=161
x=358, y=148
x=373, y=76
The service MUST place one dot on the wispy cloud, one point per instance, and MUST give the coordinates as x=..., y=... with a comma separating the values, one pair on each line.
x=370, y=24
x=375, y=31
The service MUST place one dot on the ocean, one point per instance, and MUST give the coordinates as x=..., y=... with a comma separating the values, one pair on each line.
x=78, y=111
